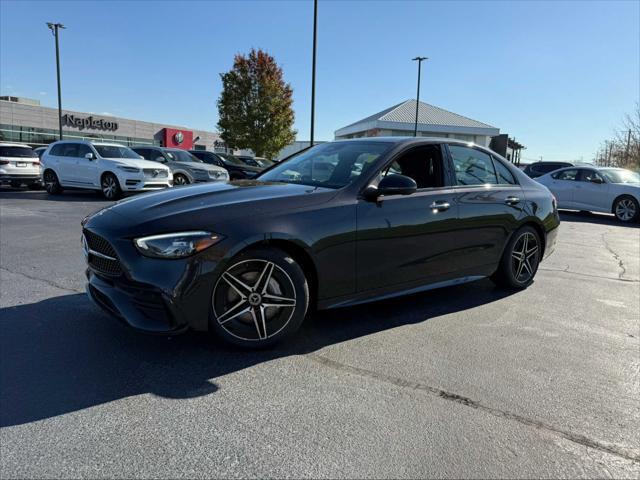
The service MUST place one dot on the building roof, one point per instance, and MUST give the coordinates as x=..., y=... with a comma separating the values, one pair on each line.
x=405, y=113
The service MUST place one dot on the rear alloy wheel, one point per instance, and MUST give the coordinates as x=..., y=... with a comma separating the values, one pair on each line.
x=180, y=179
x=110, y=187
x=520, y=260
x=51, y=183
x=626, y=209
x=259, y=299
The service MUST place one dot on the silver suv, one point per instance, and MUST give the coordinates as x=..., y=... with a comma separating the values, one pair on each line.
x=186, y=167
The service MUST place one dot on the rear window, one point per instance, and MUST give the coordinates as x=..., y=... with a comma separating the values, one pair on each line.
x=20, y=152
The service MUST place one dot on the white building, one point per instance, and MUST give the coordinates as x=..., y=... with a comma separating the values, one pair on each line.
x=433, y=121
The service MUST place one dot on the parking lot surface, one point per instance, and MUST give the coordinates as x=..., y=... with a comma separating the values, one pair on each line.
x=468, y=381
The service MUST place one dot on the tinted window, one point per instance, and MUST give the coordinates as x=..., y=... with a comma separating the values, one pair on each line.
x=69, y=149
x=330, y=165
x=56, y=150
x=83, y=150
x=423, y=164
x=504, y=174
x=182, y=156
x=472, y=167
x=570, y=174
x=21, y=152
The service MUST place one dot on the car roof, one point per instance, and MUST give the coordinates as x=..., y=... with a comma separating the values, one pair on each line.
x=89, y=142
x=10, y=144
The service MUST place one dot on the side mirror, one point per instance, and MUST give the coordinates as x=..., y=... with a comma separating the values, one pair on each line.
x=597, y=180
x=160, y=159
x=89, y=156
x=395, y=184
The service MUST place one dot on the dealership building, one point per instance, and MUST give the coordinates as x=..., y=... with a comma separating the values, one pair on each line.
x=26, y=121
x=399, y=120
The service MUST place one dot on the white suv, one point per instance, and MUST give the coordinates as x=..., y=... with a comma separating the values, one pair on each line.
x=19, y=164
x=108, y=167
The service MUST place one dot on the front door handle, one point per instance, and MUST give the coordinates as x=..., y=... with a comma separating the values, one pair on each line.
x=511, y=200
x=440, y=206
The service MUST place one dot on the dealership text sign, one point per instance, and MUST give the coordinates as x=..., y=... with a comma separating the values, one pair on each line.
x=88, y=122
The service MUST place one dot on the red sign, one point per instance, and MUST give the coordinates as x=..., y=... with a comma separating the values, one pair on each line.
x=174, y=138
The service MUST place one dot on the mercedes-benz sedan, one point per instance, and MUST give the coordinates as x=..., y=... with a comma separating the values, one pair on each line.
x=339, y=224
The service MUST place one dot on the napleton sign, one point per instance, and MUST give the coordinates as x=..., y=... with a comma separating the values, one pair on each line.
x=88, y=122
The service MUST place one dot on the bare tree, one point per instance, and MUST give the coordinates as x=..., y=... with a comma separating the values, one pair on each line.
x=623, y=150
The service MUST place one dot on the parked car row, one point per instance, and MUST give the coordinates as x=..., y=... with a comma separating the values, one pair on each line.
x=114, y=169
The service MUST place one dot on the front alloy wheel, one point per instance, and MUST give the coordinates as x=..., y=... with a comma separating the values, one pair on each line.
x=626, y=209
x=110, y=187
x=259, y=299
x=180, y=179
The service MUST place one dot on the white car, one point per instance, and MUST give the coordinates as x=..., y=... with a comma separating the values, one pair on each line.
x=108, y=167
x=596, y=189
x=19, y=164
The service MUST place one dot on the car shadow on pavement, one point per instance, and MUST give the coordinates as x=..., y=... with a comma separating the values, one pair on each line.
x=597, y=218
x=62, y=354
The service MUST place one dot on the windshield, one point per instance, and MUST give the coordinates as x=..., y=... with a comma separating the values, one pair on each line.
x=620, y=176
x=182, y=156
x=329, y=165
x=20, y=152
x=116, y=151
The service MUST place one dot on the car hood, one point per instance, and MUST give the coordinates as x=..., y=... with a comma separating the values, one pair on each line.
x=137, y=163
x=205, y=206
x=198, y=166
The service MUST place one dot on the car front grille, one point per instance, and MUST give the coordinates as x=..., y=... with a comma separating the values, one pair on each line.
x=101, y=255
x=155, y=173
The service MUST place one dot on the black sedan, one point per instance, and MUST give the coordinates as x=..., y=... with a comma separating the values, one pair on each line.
x=237, y=168
x=339, y=224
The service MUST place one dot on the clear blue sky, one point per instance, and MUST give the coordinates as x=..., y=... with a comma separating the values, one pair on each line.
x=558, y=76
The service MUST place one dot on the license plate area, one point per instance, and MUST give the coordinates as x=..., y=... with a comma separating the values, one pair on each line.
x=21, y=164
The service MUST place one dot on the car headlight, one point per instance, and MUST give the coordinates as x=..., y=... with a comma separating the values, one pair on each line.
x=175, y=245
x=128, y=169
x=218, y=175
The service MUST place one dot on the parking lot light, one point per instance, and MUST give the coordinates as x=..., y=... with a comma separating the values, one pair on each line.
x=54, y=27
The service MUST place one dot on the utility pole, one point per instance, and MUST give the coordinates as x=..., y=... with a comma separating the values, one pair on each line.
x=54, y=27
x=313, y=69
x=419, y=60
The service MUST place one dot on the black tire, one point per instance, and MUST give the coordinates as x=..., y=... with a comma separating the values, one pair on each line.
x=626, y=209
x=516, y=273
x=180, y=179
x=268, y=305
x=110, y=187
x=51, y=183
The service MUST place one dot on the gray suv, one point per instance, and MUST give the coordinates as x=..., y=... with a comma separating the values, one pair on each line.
x=185, y=167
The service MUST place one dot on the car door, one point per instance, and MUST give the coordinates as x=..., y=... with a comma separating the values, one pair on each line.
x=563, y=185
x=490, y=203
x=88, y=170
x=407, y=239
x=67, y=171
x=591, y=191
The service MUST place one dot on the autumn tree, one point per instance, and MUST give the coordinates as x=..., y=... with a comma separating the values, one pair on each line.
x=255, y=105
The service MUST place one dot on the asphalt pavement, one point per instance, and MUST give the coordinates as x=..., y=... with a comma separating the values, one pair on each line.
x=467, y=381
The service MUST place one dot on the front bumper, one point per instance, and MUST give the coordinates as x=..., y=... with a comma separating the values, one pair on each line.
x=153, y=295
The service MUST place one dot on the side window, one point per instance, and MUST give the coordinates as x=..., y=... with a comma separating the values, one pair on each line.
x=56, y=150
x=472, y=167
x=69, y=150
x=83, y=150
x=423, y=164
x=570, y=174
x=143, y=152
x=504, y=175
x=589, y=176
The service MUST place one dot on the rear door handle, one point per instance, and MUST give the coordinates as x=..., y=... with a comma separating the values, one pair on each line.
x=440, y=205
x=511, y=200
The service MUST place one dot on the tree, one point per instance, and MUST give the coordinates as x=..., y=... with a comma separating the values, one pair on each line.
x=624, y=149
x=255, y=105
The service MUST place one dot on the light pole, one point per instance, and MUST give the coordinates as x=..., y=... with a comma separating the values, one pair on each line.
x=54, y=27
x=313, y=69
x=419, y=60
